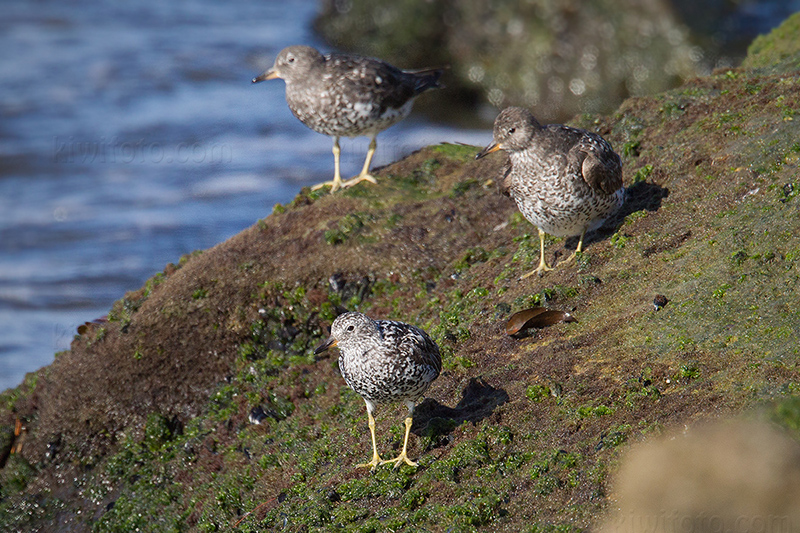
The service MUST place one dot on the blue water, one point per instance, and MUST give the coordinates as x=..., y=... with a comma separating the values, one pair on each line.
x=130, y=134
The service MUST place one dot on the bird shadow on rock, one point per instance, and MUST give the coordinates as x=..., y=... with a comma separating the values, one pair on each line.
x=640, y=196
x=436, y=421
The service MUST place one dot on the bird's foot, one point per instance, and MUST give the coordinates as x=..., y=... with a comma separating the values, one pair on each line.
x=402, y=458
x=376, y=460
x=335, y=184
x=540, y=270
x=358, y=179
x=580, y=259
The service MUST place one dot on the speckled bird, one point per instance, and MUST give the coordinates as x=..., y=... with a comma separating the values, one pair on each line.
x=565, y=181
x=345, y=95
x=384, y=361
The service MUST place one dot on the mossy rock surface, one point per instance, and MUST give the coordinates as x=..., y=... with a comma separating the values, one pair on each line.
x=778, y=50
x=144, y=423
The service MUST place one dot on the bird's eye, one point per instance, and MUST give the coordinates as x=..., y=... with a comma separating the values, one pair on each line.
x=350, y=327
x=511, y=131
x=290, y=59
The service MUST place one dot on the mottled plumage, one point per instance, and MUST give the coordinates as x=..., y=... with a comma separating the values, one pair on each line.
x=384, y=361
x=344, y=95
x=565, y=181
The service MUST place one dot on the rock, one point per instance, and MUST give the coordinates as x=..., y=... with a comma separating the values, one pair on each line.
x=563, y=58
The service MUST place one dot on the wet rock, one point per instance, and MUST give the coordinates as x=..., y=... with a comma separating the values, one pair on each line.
x=659, y=301
x=563, y=58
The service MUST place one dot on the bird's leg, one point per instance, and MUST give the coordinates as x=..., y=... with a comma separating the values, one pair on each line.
x=336, y=183
x=337, y=175
x=578, y=249
x=403, y=457
x=543, y=267
x=376, y=459
x=364, y=175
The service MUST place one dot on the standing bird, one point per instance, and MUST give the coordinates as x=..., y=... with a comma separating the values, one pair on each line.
x=384, y=361
x=565, y=181
x=344, y=95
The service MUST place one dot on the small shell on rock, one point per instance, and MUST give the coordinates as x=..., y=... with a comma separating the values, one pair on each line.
x=536, y=317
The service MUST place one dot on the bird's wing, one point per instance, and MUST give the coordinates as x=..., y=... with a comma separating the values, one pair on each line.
x=601, y=167
x=373, y=80
x=413, y=342
x=382, y=82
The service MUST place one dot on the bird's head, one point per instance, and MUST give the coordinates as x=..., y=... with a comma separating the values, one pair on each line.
x=292, y=63
x=513, y=130
x=349, y=329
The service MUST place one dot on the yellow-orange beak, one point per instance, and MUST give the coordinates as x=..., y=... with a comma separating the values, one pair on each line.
x=325, y=345
x=489, y=149
x=270, y=74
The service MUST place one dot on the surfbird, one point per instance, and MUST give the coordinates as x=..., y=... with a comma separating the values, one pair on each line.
x=344, y=95
x=565, y=181
x=384, y=361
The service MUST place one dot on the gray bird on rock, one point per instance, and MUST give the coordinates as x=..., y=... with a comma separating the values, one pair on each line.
x=565, y=181
x=384, y=361
x=345, y=95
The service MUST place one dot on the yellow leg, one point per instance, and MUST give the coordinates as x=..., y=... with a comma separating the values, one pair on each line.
x=543, y=267
x=376, y=459
x=403, y=457
x=336, y=183
x=578, y=249
x=364, y=175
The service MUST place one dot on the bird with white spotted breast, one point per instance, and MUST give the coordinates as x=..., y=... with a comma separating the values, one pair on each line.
x=565, y=181
x=384, y=361
x=345, y=95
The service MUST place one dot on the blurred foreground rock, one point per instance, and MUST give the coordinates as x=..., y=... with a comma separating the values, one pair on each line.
x=733, y=476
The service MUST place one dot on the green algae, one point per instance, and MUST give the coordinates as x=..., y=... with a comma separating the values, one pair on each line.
x=642, y=174
x=537, y=393
x=348, y=226
x=787, y=412
x=459, y=152
x=778, y=50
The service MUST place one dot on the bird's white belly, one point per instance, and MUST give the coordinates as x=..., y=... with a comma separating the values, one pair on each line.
x=566, y=216
x=380, y=382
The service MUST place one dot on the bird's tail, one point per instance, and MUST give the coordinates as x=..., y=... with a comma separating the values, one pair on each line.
x=427, y=78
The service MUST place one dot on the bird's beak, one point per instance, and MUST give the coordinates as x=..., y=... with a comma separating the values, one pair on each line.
x=488, y=150
x=325, y=345
x=270, y=74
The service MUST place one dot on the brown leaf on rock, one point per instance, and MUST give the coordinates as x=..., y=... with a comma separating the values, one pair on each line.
x=86, y=326
x=536, y=317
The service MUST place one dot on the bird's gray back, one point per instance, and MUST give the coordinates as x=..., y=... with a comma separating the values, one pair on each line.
x=548, y=184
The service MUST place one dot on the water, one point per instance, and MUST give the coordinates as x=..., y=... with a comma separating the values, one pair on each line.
x=130, y=134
